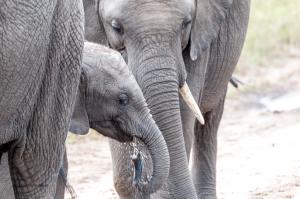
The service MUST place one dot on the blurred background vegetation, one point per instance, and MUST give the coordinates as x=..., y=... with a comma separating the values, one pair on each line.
x=274, y=29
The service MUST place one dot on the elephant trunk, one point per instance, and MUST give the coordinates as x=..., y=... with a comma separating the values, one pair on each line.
x=152, y=137
x=159, y=80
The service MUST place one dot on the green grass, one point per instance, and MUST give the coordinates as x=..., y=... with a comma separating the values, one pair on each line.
x=274, y=27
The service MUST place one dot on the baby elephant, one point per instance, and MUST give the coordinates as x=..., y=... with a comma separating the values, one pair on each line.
x=110, y=101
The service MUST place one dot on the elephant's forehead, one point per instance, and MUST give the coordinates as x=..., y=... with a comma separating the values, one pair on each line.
x=112, y=6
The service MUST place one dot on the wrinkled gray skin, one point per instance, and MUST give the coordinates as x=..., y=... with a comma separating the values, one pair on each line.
x=6, y=188
x=40, y=59
x=168, y=43
x=110, y=101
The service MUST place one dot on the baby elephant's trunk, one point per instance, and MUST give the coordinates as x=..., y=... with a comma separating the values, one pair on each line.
x=153, y=138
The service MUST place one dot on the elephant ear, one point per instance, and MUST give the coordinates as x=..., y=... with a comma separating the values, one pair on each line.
x=94, y=29
x=80, y=122
x=208, y=19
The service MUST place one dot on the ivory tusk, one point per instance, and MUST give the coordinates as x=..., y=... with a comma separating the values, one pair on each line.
x=190, y=101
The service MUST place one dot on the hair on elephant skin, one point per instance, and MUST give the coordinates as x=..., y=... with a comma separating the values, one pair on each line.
x=41, y=47
x=169, y=45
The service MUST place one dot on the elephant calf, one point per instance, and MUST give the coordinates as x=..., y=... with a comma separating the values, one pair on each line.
x=110, y=101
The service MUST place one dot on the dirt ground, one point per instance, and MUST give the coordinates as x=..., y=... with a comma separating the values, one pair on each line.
x=258, y=151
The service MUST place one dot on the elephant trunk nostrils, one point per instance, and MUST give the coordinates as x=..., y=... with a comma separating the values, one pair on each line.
x=158, y=78
x=152, y=137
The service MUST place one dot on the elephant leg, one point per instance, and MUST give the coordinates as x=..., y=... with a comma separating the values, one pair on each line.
x=33, y=175
x=205, y=153
x=62, y=178
x=6, y=188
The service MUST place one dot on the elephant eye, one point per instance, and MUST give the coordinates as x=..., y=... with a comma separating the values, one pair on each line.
x=123, y=99
x=116, y=26
x=186, y=22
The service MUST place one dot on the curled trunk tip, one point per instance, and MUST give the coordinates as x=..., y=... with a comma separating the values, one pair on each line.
x=160, y=158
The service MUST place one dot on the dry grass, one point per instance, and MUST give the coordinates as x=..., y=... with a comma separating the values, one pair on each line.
x=273, y=29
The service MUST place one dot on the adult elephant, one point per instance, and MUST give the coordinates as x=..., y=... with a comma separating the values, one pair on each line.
x=169, y=45
x=40, y=60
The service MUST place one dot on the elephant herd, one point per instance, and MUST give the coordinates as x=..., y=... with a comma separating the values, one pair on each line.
x=164, y=90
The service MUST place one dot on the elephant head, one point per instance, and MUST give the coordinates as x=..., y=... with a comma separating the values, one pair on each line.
x=160, y=38
x=110, y=101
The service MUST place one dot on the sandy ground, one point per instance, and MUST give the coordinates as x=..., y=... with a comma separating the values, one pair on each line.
x=258, y=152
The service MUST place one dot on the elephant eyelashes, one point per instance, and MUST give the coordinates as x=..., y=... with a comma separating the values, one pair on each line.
x=123, y=99
x=116, y=26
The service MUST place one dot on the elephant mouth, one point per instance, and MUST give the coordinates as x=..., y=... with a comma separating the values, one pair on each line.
x=112, y=130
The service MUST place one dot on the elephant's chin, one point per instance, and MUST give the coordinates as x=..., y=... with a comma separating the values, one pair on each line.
x=111, y=131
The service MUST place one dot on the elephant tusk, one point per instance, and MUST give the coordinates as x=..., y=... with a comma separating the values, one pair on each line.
x=190, y=101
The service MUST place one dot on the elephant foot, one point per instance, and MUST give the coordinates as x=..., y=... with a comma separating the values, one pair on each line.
x=207, y=196
x=161, y=194
x=207, y=193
